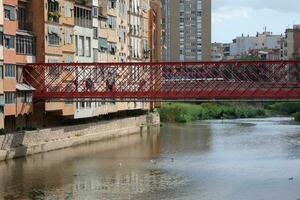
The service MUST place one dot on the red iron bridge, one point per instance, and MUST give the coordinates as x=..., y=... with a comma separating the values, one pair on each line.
x=166, y=81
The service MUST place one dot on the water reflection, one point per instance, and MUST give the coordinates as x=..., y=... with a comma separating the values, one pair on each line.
x=87, y=171
x=187, y=139
x=218, y=159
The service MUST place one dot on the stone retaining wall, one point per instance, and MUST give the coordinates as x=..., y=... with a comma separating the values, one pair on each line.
x=31, y=142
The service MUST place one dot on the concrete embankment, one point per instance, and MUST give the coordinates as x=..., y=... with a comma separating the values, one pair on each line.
x=33, y=142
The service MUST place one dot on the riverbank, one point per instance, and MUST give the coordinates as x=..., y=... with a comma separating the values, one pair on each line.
x=187, y=112
x=32, y=142
x=288, y=109
x=297, y=117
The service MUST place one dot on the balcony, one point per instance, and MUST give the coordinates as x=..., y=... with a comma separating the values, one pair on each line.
x=135, y=30
x=24, y=26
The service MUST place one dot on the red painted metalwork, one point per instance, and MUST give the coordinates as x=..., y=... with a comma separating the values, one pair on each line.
x=168, y=81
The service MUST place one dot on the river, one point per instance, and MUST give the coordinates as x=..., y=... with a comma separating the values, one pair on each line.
x=249, y=159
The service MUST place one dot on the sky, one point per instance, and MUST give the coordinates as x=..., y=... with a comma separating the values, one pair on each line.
x=231, y=18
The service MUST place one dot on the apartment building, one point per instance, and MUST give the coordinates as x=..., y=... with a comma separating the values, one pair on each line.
x=155, y=31
x=290, y=44
x=216, y=52
x=1, y=67
x=138, y=17
x=262, y=41
x=220, y=51
x=187, y=30
x=18, y=49
x=68, y=31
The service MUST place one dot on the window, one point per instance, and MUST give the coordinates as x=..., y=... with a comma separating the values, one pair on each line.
x=88, y=47
x=25, y=45
x=95, y=33
x=53, y=10
x=95, y=12
x=21, y=16
x=111, y=4
x=1, y=103
x=1, y=35
x=1, y=71
x=112, y=22
x=9, y=13
x=19, y=73
x=10, y=98
x=10, y=70
x=9, y=42
x=53, y=39
x=81, y=46
x=68, y=35
x=112, y=48
x=80, y=105
x=53, y=35
x=76, y=45
x=83, y=17
x=25, y=97
x=88, y=104
x=68, y=9
x=53, y=6
x=122, y=8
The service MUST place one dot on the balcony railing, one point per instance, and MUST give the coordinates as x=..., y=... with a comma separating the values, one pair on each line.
x=25, y=26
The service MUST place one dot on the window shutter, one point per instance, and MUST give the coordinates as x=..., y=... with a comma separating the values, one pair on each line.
x=11, y=42
x=12, y=13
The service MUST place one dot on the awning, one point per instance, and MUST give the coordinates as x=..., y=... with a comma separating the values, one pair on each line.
x=103, y=43
x=53, y=29
x=24, y=87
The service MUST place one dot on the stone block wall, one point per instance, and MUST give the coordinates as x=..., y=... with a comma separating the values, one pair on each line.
x=102, y=129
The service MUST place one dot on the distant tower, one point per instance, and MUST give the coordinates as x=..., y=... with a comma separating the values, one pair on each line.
x=186, y=30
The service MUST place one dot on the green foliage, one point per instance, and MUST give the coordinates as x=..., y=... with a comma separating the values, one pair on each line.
x=297, y=116
x=182, y=113
x=286, y=108
x=186, y=112
x=53, y=16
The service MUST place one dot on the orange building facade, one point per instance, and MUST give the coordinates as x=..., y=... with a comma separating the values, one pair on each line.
x=67, y=31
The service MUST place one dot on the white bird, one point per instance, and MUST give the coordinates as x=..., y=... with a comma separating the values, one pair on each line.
x=120, y=164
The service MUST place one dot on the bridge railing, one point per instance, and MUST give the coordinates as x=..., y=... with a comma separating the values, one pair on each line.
x=274, y=80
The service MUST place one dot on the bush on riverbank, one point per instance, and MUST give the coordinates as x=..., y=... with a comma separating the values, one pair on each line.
x=187, y=112
x=288, y=108
x=297, y=117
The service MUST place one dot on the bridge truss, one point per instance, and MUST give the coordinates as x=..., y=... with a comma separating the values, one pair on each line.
x=166, y=81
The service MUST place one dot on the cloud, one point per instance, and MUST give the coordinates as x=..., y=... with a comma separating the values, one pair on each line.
x=276, y=5
x=235, y=17
x=224, y=14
